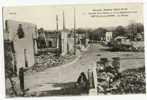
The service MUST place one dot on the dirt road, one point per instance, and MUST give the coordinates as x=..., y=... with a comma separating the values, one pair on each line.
x=53, y=81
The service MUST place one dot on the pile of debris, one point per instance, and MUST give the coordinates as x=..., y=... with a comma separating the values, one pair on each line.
x=131, y=81
x=48, y=60
x=107, y=73
x=138, y=46
x=111, y=81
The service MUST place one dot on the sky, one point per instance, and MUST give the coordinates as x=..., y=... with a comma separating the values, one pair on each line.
x=45, y=16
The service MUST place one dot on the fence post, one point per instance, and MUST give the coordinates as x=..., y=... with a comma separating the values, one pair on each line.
x=25, y=57
x=21, y=79
x=92, y=77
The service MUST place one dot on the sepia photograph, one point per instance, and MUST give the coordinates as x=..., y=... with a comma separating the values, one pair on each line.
x=74, y=50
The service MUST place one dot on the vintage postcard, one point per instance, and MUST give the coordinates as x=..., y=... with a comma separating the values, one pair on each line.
x=73, y=50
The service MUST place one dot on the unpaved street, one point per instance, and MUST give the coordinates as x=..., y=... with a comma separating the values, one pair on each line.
x=57, y=78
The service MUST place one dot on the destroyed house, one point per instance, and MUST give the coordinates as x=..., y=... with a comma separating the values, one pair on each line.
x=67, y=42
x=47, y=41
x=108, y=36
x=19, y=44
x=60, y=43
x=64, y=42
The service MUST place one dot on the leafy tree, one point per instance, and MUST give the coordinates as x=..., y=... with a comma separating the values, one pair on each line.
x=89, y=34
x=80, y=31
x=132, y=30
x=120, y=31
x=140, y=27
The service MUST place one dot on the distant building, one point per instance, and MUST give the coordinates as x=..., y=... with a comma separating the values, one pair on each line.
x=108, y=36
x=19, y=37
x=82, y=40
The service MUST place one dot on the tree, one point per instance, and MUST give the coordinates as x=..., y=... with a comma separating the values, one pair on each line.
x=132, y=30
x=119, y=31
x=80, y=31
x=140, y=27
x=89, y=34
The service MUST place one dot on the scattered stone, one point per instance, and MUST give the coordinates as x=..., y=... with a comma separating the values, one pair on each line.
x=48, y=60
x=129, y=81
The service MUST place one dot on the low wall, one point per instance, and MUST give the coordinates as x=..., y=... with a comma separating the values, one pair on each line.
x=93, y=81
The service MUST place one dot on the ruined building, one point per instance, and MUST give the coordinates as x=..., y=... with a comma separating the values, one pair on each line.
x=18, y=44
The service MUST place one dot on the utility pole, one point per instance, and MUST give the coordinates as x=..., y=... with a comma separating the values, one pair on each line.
x=74, y=33
x=57, y=28
x=58, y=37
x=63, y=21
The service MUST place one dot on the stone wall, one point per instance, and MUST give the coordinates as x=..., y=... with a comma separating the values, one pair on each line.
x=23, y=45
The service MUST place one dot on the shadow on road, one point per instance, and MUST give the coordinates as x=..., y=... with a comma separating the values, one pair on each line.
x=67, y=89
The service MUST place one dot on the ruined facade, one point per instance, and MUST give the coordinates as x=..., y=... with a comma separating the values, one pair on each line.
x=23, y=41
x=82, y=40
x=67, y=43
x=47, y=41
x=18, y=34
x=59, y=42
x=108, y=36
